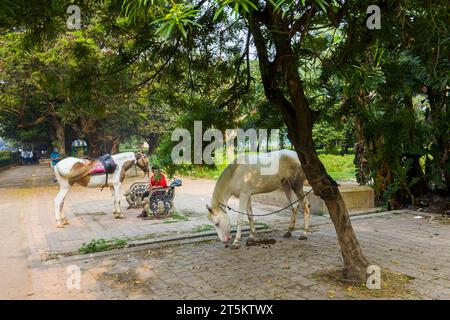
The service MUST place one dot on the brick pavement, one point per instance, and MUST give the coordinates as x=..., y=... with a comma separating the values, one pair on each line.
x=207, y=270
x=90, y=211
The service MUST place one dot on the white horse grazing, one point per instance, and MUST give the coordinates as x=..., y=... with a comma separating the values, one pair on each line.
x=74, y=170
x=246, y=177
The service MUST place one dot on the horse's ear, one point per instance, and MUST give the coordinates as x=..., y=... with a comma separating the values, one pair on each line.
x=209, y=209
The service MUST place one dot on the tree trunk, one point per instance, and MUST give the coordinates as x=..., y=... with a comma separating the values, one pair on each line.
x=60, y=142
x=324, y=186
x=277, y=77
x=439, y=116
x=415, y=171
x=89, y=128
x=152, y=140
x=94, y=146
x=115, y=145
x=361, y=163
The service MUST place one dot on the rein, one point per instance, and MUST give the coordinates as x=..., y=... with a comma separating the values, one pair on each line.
x=226, y=206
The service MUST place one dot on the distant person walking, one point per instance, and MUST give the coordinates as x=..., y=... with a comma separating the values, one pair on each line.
x=35, y=157
x=29, y=157
x=55, y=157
x=23, y=156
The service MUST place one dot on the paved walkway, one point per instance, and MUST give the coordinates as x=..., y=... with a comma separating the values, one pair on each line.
x=207, y=270
x=417, y=247
x=90, y=211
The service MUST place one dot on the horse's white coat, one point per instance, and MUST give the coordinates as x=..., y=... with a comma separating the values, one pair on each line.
x=62, y=171
x=246, y=177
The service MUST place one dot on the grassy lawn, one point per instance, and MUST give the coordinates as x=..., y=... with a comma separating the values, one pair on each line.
x=338, y=167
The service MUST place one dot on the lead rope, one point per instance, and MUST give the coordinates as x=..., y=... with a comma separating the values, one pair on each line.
x=265, y=214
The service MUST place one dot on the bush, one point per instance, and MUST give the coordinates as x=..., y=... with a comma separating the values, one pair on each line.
x=8, y=157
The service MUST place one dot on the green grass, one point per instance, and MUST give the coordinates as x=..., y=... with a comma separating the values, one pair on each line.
x=205, y=172
x=203, y=228
x=98, y=245
x=176, y=217
x=338, y=167
x=263, y=225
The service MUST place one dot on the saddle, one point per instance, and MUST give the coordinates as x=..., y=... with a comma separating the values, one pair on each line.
x=103, y=165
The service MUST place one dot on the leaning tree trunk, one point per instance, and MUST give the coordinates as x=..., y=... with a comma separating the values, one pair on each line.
x=280, y=75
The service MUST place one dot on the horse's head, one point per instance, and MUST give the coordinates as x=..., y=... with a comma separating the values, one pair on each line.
x=142, y=161
x=221, y=222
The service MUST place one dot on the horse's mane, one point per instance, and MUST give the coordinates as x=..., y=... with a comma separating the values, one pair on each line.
x=123, y=157
x=222, y=182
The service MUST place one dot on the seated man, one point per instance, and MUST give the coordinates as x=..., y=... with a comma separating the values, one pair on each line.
x=157, y=180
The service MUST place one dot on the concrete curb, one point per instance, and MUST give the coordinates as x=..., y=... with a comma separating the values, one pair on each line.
x=190, y=238
x=150, y=243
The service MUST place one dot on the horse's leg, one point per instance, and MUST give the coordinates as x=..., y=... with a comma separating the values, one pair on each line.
x=306, y=216
x=243, y=201
x=306, y=210
x=59, y=203
x=294, y=210
x=118, y=209
x=113, y=194
x=63, y=218
x=251, y=220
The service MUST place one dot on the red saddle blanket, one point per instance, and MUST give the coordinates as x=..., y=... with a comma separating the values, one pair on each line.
x=97, y=168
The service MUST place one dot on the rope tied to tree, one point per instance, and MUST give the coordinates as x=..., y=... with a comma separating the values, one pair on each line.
x=226, y=206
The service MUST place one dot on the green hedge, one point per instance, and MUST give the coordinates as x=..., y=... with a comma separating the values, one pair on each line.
x=8, y=157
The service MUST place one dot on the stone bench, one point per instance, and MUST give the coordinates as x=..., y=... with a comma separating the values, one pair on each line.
x=356, y=198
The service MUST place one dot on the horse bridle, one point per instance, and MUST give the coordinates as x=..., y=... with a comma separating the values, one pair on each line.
x=136, y=161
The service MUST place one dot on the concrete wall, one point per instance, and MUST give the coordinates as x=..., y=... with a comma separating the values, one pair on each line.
x=355, y=197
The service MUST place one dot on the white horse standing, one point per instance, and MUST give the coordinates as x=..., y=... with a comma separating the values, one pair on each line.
x=74, y=170
x=246, y=177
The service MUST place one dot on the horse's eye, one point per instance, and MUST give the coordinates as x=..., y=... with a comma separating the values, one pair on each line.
x=217, y=224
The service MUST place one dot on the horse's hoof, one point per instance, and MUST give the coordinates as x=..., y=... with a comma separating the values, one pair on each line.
x=303, y=237
x=119, y=216
x=65, y=221
x=235, y=246
x=287, y=234
x=59, y=225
